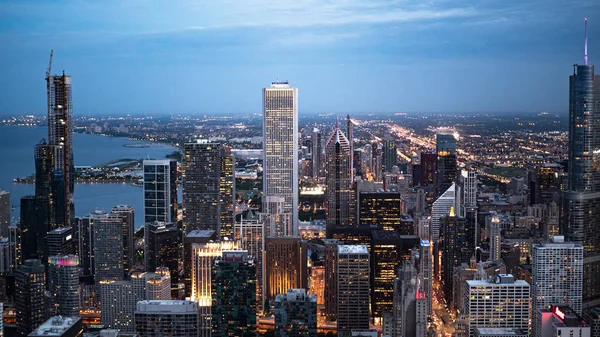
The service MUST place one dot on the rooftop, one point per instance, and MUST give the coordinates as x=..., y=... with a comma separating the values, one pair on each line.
x=55, y=326
x=501, y=332
x=61, y=230
x=167, y=306
x=199, y=233
x=352, y=249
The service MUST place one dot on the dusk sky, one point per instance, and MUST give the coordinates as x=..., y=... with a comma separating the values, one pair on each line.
x=214, y=56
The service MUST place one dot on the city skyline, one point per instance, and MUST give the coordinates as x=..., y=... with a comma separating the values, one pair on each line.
x=401, y=226
x=402, y=53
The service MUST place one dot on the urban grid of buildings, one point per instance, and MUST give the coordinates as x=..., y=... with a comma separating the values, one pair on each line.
x=409, y=246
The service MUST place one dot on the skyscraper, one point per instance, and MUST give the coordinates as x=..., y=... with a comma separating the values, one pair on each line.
x=581, y=203
x=203, y=257
x=280, y=163
x=385, y=258
x=30, y=285
x=390, y=155
x=295, y=314
x=251, y=233
x=446, y=162
x=353, y=269
x=161, y=247
x=495, y=238
x=63, y=273
x=60, y=241
x=108, y=247
x=317, y=153
x=285, y=265
x=380, y=208
x=208, y=187
x=557, y=275
x=160, y=191
x=127, y=216
x=60, y=137
x=234, y=295
x=350, y=136
x=340, y=200
x=426, y=271
x=193, y=237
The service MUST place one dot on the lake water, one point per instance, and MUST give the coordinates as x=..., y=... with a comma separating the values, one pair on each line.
x=16, y=160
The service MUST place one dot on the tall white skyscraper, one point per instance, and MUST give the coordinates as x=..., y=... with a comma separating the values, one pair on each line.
x=557, y=274
x=280, y=163
x=501, y=303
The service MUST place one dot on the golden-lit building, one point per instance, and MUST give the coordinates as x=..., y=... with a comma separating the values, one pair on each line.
x=285, y=265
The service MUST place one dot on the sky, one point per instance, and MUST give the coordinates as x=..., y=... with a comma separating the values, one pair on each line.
x=215, y=56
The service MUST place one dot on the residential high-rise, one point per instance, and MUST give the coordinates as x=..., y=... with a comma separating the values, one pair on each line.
x=251, y=233
x=285, y=265
x=84, y=234
x=317, y=154
x=557, y=275
x=162, y=243
x=127, y=215
x=108, y=246
x=495, y=238
x=4, y=213
x=30, y=285
x=60, y=241
x=118, y=298
x=60, y=137
x=352, y=272
x=167, y=318
x=59, y=326
x=501, y=303
x=160, y=191
x=117, y=304
x=227, y=193
x=63, y=274
x=193, y=237
x=280, y=162
x=581, y=203
x=340, y=194
x=295, y=314
x=233, y=291
x=208, y=185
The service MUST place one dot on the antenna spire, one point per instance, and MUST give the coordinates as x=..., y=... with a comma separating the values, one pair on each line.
x=585, y=56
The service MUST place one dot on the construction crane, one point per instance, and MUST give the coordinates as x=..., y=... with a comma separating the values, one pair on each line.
x=50, y=64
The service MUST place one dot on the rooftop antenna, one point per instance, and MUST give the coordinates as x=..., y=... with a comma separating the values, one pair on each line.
x=585, y=59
